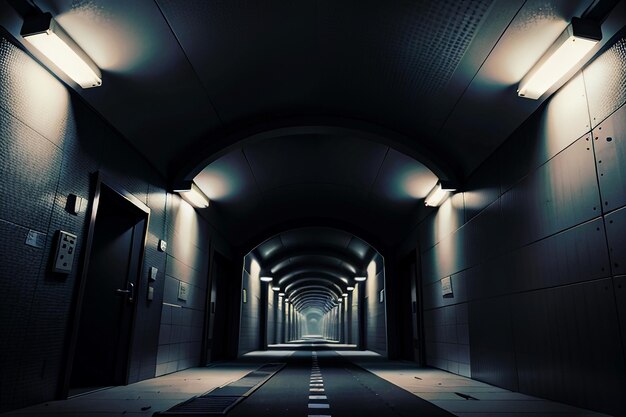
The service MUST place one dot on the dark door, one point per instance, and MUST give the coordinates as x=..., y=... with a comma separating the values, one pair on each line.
x=103, y=339
x=220, y=320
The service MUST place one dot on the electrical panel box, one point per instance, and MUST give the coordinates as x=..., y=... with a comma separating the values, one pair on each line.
x=65, y=251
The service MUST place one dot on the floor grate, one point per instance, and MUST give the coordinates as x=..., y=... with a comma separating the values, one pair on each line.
x=221, y=400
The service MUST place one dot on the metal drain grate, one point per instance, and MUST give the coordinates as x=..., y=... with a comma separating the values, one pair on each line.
x=221, y=400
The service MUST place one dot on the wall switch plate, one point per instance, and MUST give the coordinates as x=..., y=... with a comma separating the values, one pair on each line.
x=153, y=273
x=75, y=204
x=150, y=293
x=183, y=290
x=162, y=245
x=65, y=251
x=36, y=239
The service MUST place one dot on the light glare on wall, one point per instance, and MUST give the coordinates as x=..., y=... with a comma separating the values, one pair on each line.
x=438, y=194
x=45, y=35
x=576, y=41
x=194, y=196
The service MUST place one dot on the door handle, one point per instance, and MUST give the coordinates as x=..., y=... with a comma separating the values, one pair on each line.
x=130, y=291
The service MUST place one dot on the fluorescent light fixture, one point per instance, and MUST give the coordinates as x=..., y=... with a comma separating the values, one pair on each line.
x=281, y=294
x=344, y=294
x=360, y=279
x=287, y=300
x=276, y=288
x=194, y=196
x=266, y=279
x=45, y=35
x=576, y=41
x=340, y=300
x=438, y=194
x=350, y=288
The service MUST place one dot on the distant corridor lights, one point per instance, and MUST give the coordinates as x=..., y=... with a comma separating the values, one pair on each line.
x=266, y=279
x=438, y=194
x=576, y=41
x=360, y=279
x=44, y=34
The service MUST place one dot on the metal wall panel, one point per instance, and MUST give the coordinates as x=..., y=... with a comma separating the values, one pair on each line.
x=568, y=346
x=619, y=285
x=610, y=148
x=615, y=226
x=560, y=194
x=483, y=187
x=491, y=342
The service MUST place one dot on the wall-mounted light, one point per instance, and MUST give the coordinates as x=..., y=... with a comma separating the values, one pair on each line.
x=194, y=196
x=266, y=279
x=576, y=41
x=281, y=294
x=344, y=295
x=439, y=193
x=276, y=289
x=360, y=279
x=44, y=34
x=350, y=288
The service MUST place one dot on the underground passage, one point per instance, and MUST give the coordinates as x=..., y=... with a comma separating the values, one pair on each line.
x=315, y=208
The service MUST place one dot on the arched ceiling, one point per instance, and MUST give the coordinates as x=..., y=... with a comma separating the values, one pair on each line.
x=308, y=279
x=310, y=111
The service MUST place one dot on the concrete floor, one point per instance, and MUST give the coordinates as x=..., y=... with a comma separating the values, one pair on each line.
x=436, y=386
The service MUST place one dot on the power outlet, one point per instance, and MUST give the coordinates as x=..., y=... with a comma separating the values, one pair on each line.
x=65, y=251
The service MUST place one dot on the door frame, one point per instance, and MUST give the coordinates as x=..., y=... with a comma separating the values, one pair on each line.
x=99, y=180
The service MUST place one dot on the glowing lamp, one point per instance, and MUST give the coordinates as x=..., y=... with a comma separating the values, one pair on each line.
x=281, y=294
x=438, y=194
x=276, y=288
x=266, y=279
x=360, y=279
x=194, y=196
x=45, y=35
x=350, y=288
x=576, y=41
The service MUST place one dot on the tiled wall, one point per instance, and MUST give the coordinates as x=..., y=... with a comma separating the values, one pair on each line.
x=250, y=321
x=375, y=310
x=182, y=321
x=50, y=144
x=536, y=252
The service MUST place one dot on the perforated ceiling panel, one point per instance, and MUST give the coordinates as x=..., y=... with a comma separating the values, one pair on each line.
x=440, y=33
x=605, y=81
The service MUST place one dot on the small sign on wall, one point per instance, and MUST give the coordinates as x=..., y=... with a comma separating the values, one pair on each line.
x=183, y=291
x=244, y=296
x=446, y=287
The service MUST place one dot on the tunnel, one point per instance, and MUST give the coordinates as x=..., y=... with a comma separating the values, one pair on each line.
x=315, y=208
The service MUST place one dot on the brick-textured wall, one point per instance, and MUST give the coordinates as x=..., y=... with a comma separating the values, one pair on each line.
x=536, y=251
x=50, y=144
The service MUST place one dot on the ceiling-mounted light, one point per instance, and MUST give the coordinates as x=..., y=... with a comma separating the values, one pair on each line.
x=350, y=288
x=344, y=295
x=275, y=288
x=266, y=279
x=281, y=294
x=576, y=41
x=194, y=196
x=438, y=194
x=360, y=279
x=44, y=34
